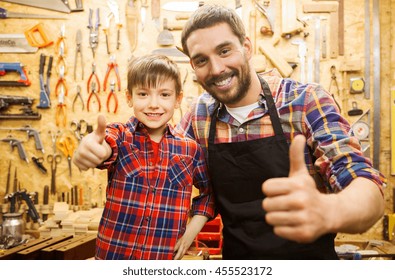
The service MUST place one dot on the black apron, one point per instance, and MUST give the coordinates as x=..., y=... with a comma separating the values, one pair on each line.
x=237, y=171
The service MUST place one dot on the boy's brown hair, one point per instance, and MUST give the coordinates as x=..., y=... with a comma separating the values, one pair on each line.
x=152, y=69
x=208, y=16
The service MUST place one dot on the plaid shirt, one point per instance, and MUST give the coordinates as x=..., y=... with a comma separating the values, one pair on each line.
x=331, y=153
x=147, y=206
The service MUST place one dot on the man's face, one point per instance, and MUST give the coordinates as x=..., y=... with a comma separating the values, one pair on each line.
x=221, y=63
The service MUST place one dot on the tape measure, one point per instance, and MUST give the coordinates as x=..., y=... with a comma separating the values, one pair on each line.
x=357, y=85
x=361, y=130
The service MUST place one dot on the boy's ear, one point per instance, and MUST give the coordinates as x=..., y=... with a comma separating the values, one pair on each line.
x=129, y=98
x=179, y=100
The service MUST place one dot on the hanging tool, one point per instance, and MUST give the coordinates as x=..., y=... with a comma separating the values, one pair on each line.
x=302, y=51
x=38, y=161
x=94, y=31
x=239, y=8
x=143, y=13
x=45, y=101
x=155, y=13
x=165, y=37
x=93, y=93
x=7, y=67
x=334, y=84
x=78, y=6
x=78, y=53
x=8, y=183
x=15, y=43
x=367, y=27
x=114, y=13
x=112, y=66
x=16, y=143
x=269, y=18
x=357, y=85
x=54, y=160
x=67, y=145
x=77, y=97
x=132, y=21
x=80, y=128
x=112, y=95
x=376, y=83
x=355, y=111
x=96, y=79
x=37, y=37
x=61, y=109
x=61, y=41
x=31, y=132
x=61, y=61
x=55, y=5
x=26, y=102
x=7, y=14
x=61, y=83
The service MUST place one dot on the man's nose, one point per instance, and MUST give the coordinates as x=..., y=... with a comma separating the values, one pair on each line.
x=217, y=66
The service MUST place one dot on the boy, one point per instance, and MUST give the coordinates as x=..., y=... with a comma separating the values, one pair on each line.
x=151, y=171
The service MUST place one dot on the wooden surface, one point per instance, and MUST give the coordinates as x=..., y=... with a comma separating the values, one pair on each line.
x=28, y=174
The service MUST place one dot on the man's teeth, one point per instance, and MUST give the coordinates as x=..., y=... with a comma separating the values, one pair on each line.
x=223, y=82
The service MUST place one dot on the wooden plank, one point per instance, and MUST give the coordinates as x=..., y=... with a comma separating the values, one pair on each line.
x=79, y=250
x=279, y=62
x=289, y=23
x=49, y=253
x=10, y=254
x=34, y=252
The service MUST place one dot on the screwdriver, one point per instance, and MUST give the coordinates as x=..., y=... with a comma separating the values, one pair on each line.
x=6, y=14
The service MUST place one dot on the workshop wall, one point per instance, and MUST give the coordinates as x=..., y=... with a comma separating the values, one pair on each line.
x=347, y=62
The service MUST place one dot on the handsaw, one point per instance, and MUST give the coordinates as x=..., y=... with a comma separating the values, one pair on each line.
x=54, y=5
x=132, y=21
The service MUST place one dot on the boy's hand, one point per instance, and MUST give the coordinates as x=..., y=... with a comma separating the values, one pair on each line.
x=93, y=150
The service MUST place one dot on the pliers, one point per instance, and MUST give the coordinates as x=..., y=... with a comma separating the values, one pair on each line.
x=112, y=65
x=61, y=61
x=61, y=82
x=112, y=95
x=77, y=97
x=94, y=31
x=93, y=93
x=61, y=40
x=61, y=109
x=78, y=52
x=93, y=75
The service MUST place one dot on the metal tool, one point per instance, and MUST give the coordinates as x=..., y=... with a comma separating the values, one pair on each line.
x=239, y=8
x=31, y=132
x=77, y=97
x=143, y=13
x=67, y=145
x=15, y=43
x=302, y=51
x=367, y=27
x=112, y=66
x=112, y=95
x=6, y=67
x=4, y=14
x=334, y=83
x=61, y=83
x=38, y=161
x=114, y=13
x=78, y=6
x=376, y=83
x=165, y=38
x=60, y=45
x=132, y=18
x=94, y=94
x=55, y=5
x=94, y=76
x=61, y=60
x=45, y=101
x=265, y=13
x=155, y=13
x=94, y=31
x=26, y=102
x=37, y=36
x=61, y=109
x=54, y=160
x=78, y=53
x=16, y=143
x=80, y=128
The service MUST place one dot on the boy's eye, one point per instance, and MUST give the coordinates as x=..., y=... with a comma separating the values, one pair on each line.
x=141, y=93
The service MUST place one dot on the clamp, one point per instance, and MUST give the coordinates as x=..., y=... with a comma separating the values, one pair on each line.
x=93, y=93
x=112, y=65
x=94, y=31
x=112, y=95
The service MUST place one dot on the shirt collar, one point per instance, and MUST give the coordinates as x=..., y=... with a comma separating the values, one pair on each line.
x=136, y=125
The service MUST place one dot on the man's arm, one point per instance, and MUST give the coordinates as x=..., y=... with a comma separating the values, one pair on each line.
x=299, y=212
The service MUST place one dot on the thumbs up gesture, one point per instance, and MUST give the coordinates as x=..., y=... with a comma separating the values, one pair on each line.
x=93, y=149
x=293, y=205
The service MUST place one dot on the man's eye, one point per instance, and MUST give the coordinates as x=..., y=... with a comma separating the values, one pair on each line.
x=199, y=61
x=225, y=51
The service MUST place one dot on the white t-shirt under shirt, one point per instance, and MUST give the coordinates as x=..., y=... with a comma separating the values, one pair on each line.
x=241, y=113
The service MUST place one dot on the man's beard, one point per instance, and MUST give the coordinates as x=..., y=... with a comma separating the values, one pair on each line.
x=235, y=94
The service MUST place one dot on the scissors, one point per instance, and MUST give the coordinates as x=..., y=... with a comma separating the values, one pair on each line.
x=53, y=160
x=66, y=144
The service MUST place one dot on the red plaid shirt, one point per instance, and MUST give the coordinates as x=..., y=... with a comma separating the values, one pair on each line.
x=147, y=205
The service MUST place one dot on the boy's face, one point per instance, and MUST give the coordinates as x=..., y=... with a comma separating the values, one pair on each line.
x=154, y=107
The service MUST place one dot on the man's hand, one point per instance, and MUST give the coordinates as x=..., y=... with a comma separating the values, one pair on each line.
x=294, y=206
x=93, y=150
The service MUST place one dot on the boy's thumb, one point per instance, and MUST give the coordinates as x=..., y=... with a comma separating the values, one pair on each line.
x=296, y=156
x=100, y=131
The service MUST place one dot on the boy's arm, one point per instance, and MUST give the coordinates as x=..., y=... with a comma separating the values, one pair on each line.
x=193, y=228
x=93, y=149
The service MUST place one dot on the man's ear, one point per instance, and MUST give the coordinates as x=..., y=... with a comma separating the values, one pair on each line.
x=129, y=98
x=179, y=99
x=247, y=45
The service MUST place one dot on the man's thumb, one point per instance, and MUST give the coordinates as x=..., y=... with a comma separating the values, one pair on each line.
x=101, y=128
x=296, y=155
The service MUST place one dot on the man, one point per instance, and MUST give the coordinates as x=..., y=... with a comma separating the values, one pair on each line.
x=276, y=201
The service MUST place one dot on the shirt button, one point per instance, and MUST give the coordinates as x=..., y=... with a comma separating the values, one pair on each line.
x=150, y=163
x=241, y=130
x=153, y=190
x=147, y=219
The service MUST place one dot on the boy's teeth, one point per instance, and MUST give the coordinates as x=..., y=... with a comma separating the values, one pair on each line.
x=223, y=82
